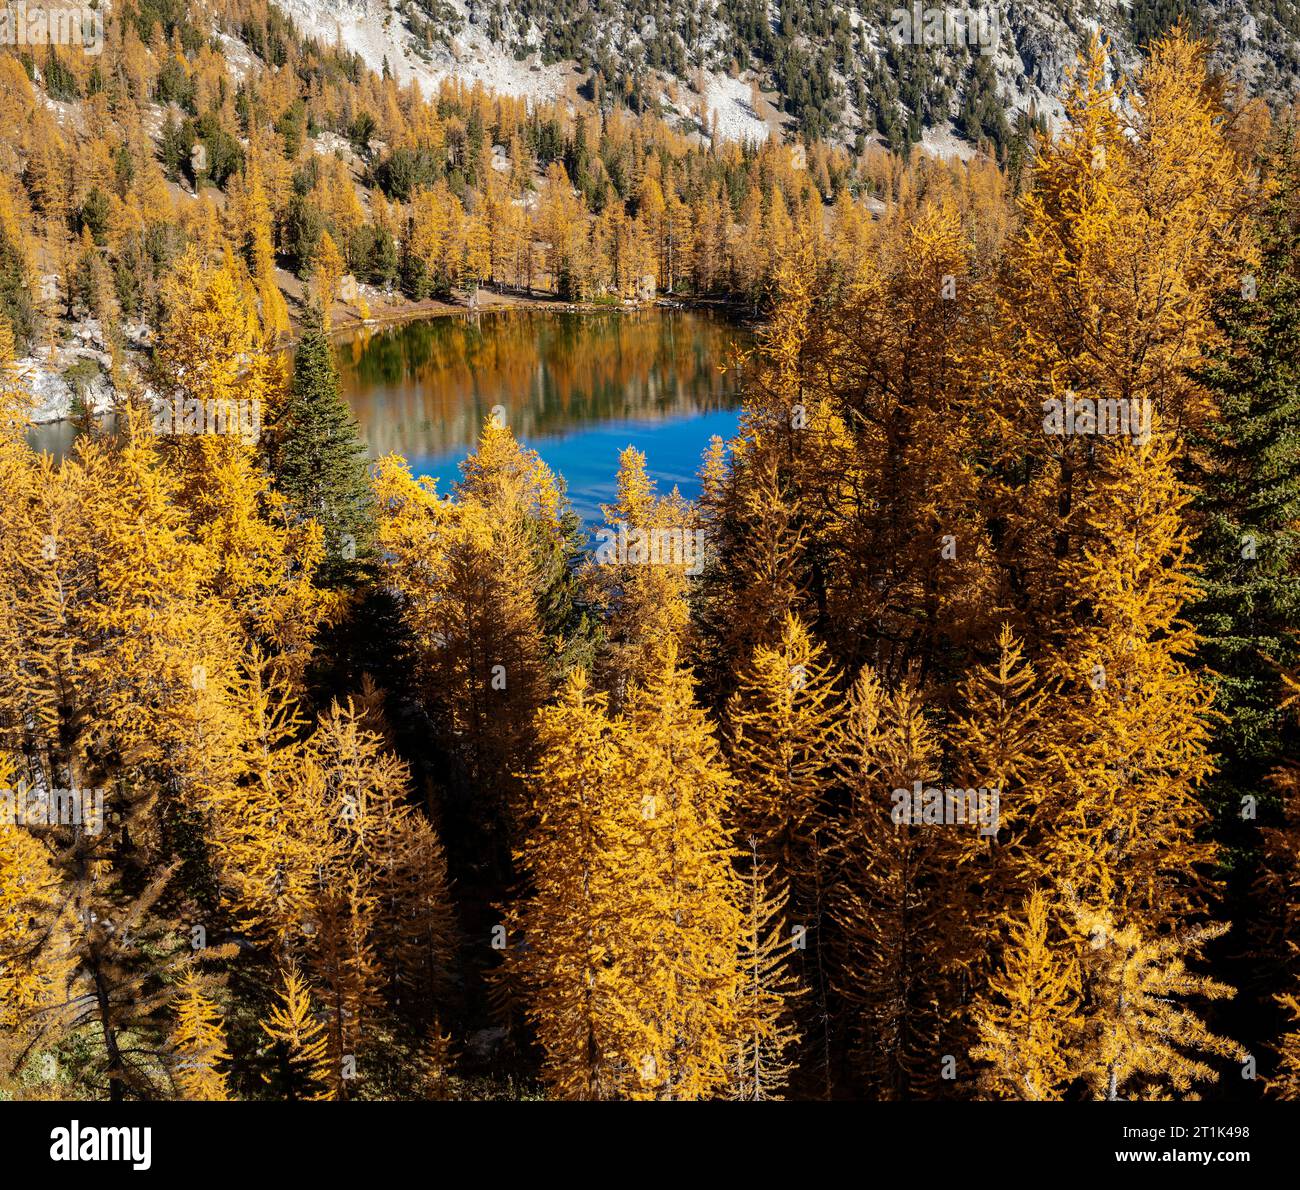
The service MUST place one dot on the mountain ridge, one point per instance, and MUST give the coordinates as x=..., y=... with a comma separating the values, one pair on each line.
x=870, y=71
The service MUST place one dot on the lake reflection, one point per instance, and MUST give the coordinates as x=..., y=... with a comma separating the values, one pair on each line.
x=577, y=387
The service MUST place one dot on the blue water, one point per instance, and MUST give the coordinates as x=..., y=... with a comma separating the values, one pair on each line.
x=578, y=388
x=588, y=459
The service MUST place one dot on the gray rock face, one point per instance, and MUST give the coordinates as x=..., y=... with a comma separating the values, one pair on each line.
x=79, y=366
x=53, y=397
x=855, y=42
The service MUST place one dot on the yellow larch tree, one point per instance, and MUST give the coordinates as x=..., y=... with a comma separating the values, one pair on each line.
x=640, y=576
x=313, y=840
x=907, y=563
x=433, y=231
x=780, y=721
x=361, y=811
x=676, y=997
x=198, y=1044
x=999, y=730
x=299, y=1045
x=270, y=847
x=436, y=1061
x=1136, y=216
x=327, y=269
x=476, y=256
x=470, y=572
x=1139, y=1039
x=1285, y=1083
x=999, y=741
x=1121, y=814
x=570, y=920
x=110, y=626
x=267, y=558
x=891, y=898
x=780, y=748
x=35, y=933
x=1028, y=1017
x=416, y=932
x=217, y=381
x=261, y=255
x=755, y=532
x=342, y=957
x=208, y=336
x=561, y=226
x=769, y=991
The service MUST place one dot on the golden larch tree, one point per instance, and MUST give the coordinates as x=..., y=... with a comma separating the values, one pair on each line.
x=1028, y=1017
x=1139, y=1039
x=766, y=1033
x=198, y=1044
x=299, y=1044
x=570, y=920
x=675, y=1001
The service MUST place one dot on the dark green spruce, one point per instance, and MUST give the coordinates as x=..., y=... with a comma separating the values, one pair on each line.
x=320, y=462
x=1249, y=510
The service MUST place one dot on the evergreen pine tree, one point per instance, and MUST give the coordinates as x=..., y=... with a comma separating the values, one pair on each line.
x=1249, y=502
x=319, y=461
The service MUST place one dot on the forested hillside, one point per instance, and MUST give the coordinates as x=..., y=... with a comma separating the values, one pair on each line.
x=322, y=172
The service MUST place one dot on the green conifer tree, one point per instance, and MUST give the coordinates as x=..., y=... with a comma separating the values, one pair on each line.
x=320, y=461
x=1249, y=502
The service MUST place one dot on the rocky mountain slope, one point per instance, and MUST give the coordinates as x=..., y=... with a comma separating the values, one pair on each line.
x=857, y=71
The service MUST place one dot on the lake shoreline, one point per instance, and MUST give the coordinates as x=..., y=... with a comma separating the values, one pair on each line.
x=404, y=313
x=502, y=302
